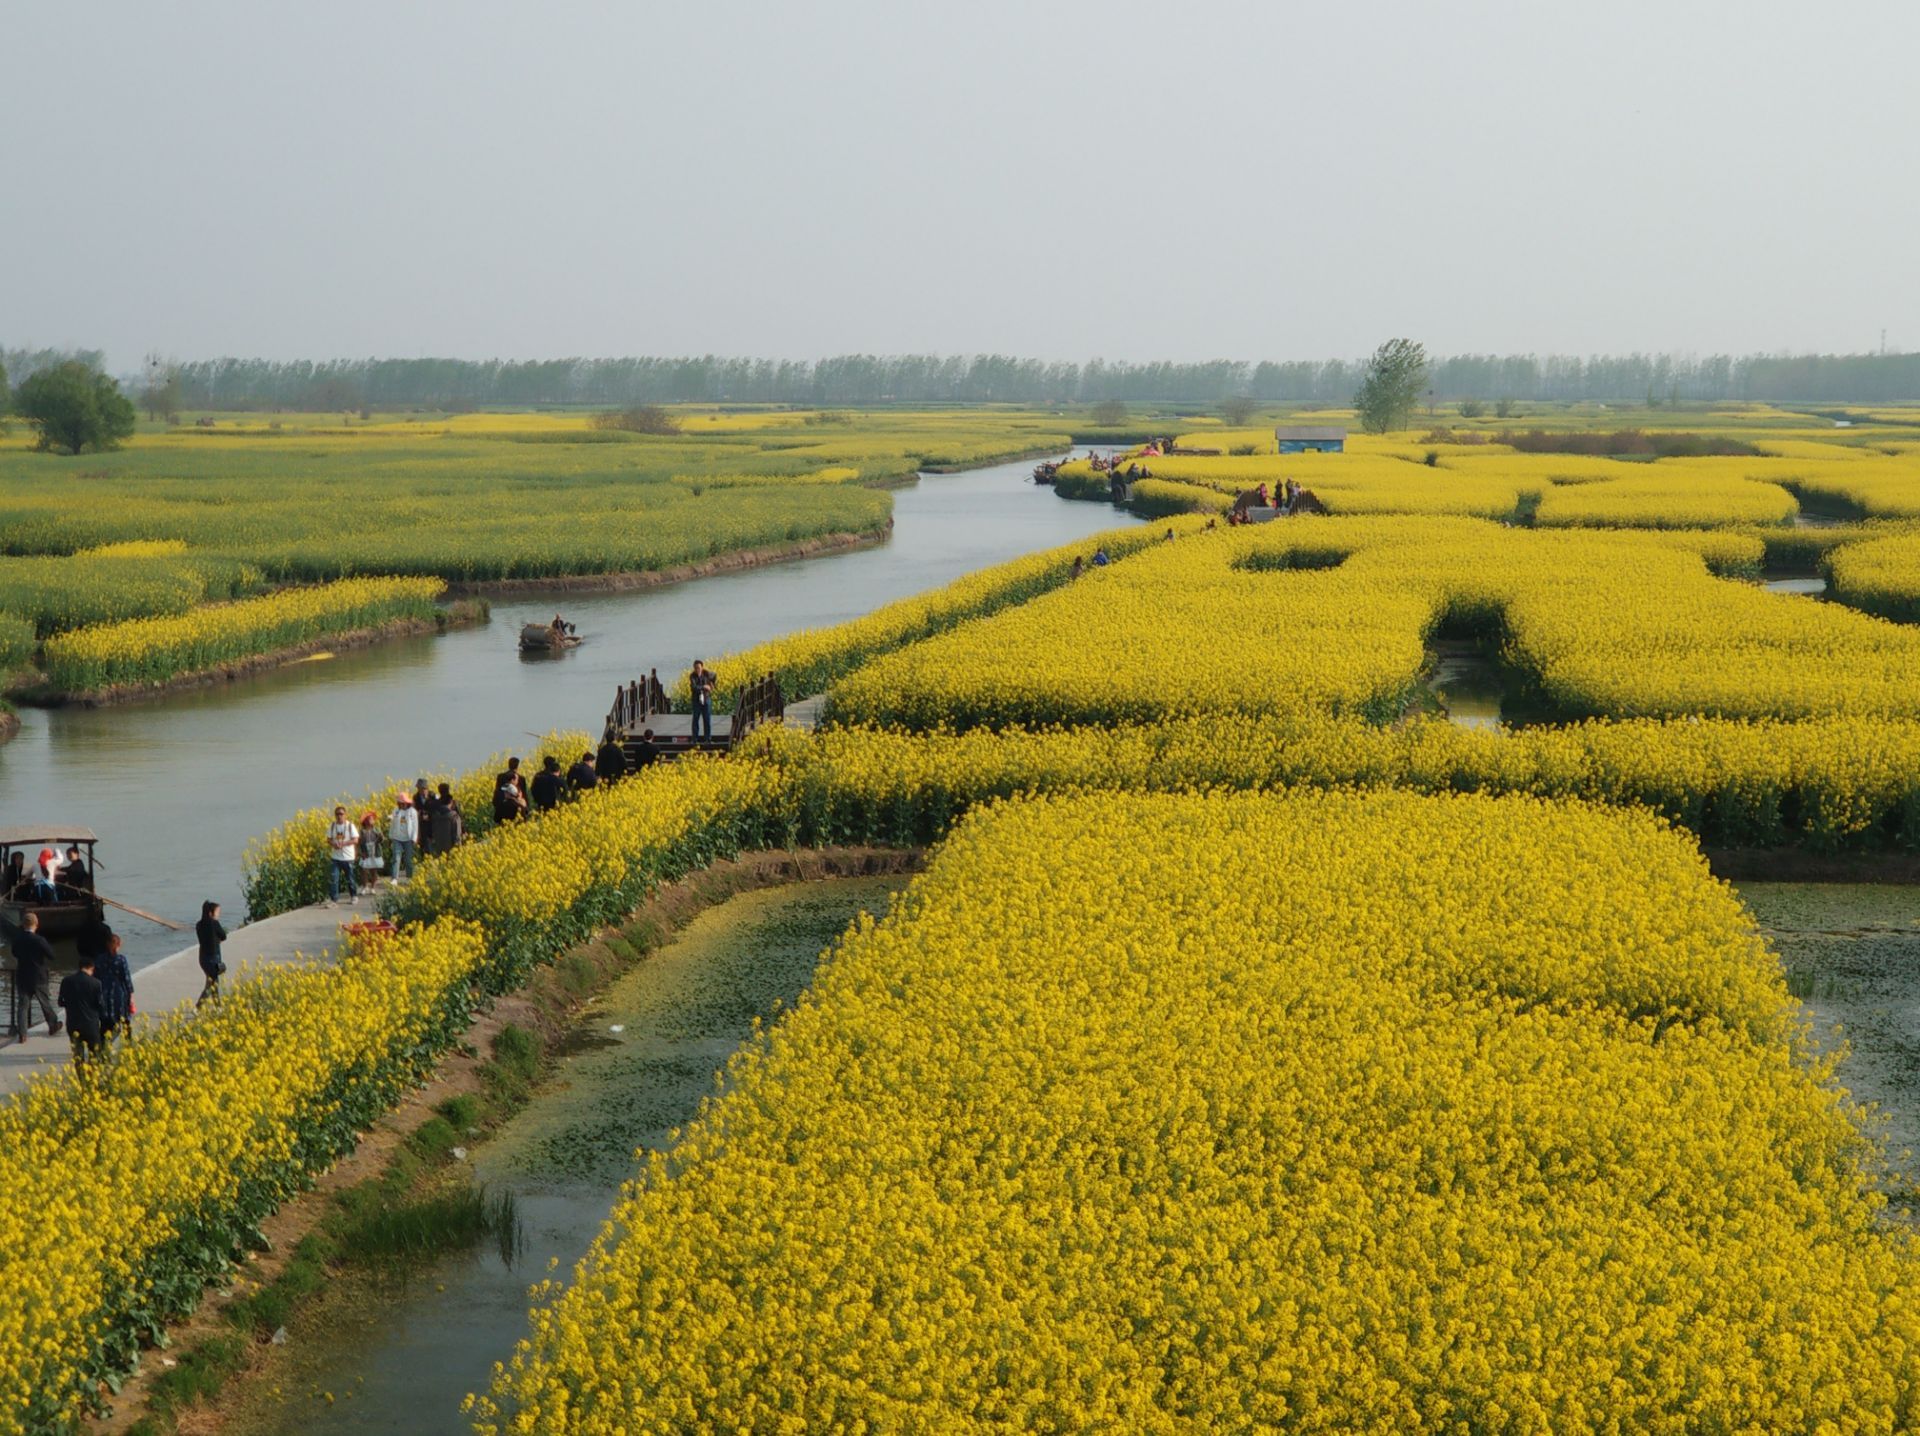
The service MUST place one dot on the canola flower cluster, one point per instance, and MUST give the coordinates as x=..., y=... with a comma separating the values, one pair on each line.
x=1879, y=487
x=1673, y=493
x=809, y=659
x=153, y=650
x=1831, y=784
x=1262, y=1112
x=1879, y=575
x=1332, y=616
x=130, y=1185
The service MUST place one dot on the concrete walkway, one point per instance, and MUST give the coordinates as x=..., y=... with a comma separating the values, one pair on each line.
x=175, y=981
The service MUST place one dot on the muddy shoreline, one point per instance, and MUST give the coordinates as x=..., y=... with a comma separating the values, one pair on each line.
x=678, y=573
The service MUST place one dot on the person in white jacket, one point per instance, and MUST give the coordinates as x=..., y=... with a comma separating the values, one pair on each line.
x=403, y=833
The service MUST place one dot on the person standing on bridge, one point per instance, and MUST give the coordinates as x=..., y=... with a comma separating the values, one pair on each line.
x=213, y=963
x=701, y=682
x=32, y=959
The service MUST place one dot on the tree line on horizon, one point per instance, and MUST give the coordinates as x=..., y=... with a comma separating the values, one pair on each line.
x=864, y=379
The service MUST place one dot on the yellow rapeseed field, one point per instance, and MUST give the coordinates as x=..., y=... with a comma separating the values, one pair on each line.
x=1332, y=615
x=1323, y=1113
x=151, y=650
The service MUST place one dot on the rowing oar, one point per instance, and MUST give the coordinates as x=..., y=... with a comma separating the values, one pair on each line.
x=129, y=907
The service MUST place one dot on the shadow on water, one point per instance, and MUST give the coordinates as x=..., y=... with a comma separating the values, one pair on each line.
x=178, y=785
x=407, y=1365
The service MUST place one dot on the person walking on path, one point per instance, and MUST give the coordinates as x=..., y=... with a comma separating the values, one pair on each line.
x=581, y=777
x=343, y=847
x=116, y=990
x=403, y=832
x=86, y=1015
x=701, y=682
x=32, y=960
x=422, y=793
x=509, y=794
x=548, y=785
x=611, y=765
x=212, y=965
x=370, y=860
x=449, y=825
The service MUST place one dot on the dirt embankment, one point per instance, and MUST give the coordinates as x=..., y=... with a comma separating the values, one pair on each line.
x=678, y=573
x=9, y=724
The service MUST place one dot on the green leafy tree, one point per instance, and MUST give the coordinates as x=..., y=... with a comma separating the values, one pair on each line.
x=5, y=398
x=161, y=395
x=1238, y=410
x=1391, y=387
x=74, y=408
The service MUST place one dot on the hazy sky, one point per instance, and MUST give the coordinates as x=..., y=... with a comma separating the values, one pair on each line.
x=1060, y=178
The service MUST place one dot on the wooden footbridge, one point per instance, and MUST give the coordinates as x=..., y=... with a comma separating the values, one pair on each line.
x=643, y=723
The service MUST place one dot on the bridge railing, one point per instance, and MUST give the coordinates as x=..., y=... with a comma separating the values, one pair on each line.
x=759, y=701
x=637, y=701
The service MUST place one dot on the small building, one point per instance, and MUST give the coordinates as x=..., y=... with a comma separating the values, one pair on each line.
x=1310, y=439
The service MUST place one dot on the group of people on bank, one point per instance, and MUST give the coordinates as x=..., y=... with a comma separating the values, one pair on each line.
x=384, y=846
x=97, y=998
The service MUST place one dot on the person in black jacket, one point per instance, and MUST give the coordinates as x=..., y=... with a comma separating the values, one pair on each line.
x=581, y=777
x=80, y=995
x=548, y=785
x=509, y=794
x=116, y=990
x=611, y=764
x=212, y=965
x=32, y=959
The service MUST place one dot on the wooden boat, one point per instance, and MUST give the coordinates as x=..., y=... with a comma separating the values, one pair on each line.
x=61, y=920
x=545, y=638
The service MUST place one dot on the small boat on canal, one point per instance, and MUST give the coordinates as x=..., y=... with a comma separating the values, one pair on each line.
x=543, y=638
x=74, y=903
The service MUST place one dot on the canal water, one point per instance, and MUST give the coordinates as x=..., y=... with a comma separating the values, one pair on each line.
x=176, y=787
x=645, y=1055
x=1852, y=955
x=1811, y=585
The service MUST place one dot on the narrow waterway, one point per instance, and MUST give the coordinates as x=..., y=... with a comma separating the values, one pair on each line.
x=1466, y=684
x=1812, y=585
x=177, y=787
x=644, y=1057
x=1852, y=955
